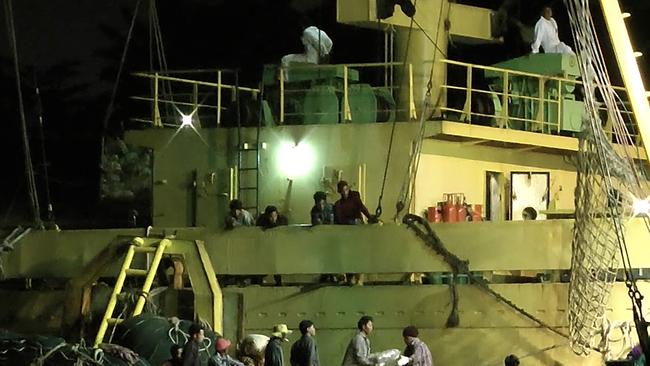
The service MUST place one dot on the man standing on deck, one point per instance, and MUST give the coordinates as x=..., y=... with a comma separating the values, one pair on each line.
x=191, y=349
x=358, y=351
x=273, y=356
x=348, y=209
x=304, y=351
x=416, y=350
x=546, y=35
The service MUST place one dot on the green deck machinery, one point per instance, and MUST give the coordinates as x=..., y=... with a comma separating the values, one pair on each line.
x=524, y=93
x=314, y=94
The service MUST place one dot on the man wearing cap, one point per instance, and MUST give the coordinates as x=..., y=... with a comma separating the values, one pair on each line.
x=304, y=351
x=358, y=351
x=191, y=348
x=221, y=357
x=348, y=209
x=273, y=356
x=416, y=350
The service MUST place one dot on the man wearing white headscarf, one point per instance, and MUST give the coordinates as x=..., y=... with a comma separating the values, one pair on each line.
x=317, y=45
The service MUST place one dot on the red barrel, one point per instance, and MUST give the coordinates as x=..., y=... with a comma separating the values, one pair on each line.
x=449, y=212
x=461, y=208
x=477, y=213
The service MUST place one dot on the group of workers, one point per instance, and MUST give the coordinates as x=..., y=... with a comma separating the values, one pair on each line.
x=348, y=210
x=304, y=351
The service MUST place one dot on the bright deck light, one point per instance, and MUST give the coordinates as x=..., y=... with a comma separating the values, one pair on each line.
x=295, y=160
x=186, y=120
x=641, y=207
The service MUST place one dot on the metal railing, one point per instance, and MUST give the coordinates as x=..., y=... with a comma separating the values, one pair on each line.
x=206, y=101
x=349, y=84
x=521, y=100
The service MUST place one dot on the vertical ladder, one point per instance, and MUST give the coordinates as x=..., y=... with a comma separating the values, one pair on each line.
x=248, y=160
x=126, y=270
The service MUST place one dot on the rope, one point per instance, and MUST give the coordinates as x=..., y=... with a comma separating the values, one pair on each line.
x=29, y=168
x=109, y=108
x=458, y=265
x=378, y=210
x=603, y=176
x=46, y=178
x=414, y=160
x=538, y=352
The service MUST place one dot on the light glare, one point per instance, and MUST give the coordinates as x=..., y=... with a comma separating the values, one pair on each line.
x=295, y=159
x=186, y=120
x=641, y=207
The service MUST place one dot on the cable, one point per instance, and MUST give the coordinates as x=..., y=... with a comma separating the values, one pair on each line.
x=44, y=163
x=378, y=210
x=460, y=266
x=29, y=168
x=109, y=108
x=408, y=183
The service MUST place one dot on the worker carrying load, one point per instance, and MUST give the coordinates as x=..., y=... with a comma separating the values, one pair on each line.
x=546, y=35
x=317, y=45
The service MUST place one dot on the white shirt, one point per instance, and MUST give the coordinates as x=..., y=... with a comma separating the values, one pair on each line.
x=546, y=36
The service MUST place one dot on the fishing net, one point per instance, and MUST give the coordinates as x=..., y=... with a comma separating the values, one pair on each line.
x=607, y=183
x=152, y=336
x=17, y=349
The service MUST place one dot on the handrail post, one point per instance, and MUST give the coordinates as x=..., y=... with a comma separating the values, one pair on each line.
x=540, y=103
x=195, y=102
x=506, y=86
x=281, y=95
x=219, y=98
x=157, y=122
x=467, y=109
x=559, y=106
x=412, y=111
x=347, y=116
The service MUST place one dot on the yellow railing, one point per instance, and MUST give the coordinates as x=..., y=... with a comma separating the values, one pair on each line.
x=347, y=77
x=542, y=111
x=174, y=97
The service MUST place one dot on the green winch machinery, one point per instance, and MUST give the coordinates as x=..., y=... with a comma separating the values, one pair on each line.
x=314, y=94
x=560, y=111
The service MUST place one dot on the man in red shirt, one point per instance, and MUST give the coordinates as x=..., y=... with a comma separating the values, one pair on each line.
x=348, y=209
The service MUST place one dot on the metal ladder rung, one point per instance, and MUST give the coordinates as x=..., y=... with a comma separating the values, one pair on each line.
x=113, y=321
x=144, y=249
x=247, y=188
x=137, y=272
x=246, y=169
x=149, y=275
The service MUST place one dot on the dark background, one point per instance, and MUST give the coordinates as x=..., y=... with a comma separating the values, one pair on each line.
x=72, y=49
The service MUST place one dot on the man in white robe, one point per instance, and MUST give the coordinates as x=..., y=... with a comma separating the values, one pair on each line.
x=546, y=35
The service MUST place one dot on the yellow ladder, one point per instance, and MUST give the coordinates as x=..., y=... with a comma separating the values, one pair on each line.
x=126, y=270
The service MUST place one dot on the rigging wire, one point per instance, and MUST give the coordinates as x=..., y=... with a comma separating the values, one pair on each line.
x=46, y=178
x=379, y=210
x=592, y=61
x=111, y=103
x=29, y=168
x=406, y=191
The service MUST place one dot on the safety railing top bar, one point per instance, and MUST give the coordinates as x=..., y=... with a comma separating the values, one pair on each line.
x=504, y=95
x=165, y=90
x=171, y=93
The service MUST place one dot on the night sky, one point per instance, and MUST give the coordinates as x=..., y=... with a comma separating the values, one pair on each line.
x=72, y=49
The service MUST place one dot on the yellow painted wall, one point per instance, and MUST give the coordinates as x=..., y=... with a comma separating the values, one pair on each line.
x=452, y=167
